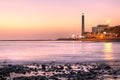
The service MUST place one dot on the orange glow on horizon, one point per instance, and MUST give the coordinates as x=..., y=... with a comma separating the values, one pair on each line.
x=56, y=17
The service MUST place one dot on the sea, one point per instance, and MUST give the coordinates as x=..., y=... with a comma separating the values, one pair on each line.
x=58, y=51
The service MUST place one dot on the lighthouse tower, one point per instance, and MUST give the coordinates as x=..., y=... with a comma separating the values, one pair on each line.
x=83, y=23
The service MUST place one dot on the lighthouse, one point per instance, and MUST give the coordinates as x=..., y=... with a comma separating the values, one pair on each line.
x=83, y=23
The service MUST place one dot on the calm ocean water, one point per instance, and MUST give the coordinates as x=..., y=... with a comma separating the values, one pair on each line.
x=63, y=51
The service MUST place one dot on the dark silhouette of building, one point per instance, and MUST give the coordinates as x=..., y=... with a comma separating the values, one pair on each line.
x=83, y=23
x=99, y=28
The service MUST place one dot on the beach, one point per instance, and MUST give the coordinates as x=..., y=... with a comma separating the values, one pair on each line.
x=59, y=40
x=95, y=70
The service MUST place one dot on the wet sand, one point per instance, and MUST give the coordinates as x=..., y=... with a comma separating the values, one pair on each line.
x=95, y=70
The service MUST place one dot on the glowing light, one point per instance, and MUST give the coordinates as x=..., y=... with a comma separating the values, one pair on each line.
x=108, y=51
x=104, y=32
x=73, y=36
x=108, y=21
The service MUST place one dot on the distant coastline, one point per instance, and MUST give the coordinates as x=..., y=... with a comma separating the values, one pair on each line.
x=82, y=39
x=27, y=40
x=92, y=39
x=103, y=40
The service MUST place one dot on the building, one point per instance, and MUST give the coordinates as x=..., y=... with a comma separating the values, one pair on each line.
x=99, y=28
x=94, y=29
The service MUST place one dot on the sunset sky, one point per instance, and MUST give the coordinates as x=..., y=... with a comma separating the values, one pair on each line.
x=51, y=19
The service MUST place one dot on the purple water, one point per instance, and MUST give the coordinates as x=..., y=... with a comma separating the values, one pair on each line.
x=69, y=51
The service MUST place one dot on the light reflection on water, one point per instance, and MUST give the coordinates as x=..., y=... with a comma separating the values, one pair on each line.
x=108, y=51
x=58, y=51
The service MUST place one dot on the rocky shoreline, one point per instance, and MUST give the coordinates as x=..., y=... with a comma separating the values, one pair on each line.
x=101, y=70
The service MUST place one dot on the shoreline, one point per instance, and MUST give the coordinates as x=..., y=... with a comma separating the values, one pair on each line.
x=82, y=39
x=95, y=70
x=103, y=40
x=7, y=62
x=93, y=39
